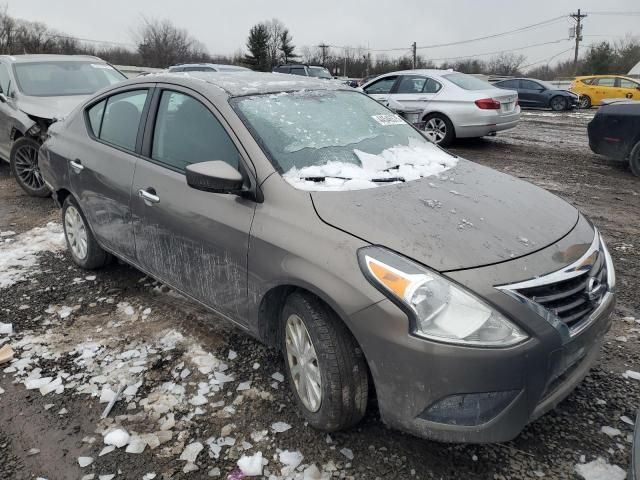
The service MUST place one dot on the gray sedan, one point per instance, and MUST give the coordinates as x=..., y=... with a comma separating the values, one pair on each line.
x=451, y=104
x=323, y=224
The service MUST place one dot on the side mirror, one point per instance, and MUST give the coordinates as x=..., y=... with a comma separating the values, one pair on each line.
x=215, y=177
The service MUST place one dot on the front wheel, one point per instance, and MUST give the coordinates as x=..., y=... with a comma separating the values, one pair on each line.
x=81, y=243
x=634, y=160
x=585, y=101
x=558, y=104
x=439, y=129
x=325, y=366
x=24, y=166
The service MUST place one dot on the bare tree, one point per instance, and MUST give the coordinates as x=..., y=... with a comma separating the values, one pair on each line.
x=275, y=28
x=505, y=64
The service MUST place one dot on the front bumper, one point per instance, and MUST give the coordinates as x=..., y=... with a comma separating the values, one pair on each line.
x=455, y=393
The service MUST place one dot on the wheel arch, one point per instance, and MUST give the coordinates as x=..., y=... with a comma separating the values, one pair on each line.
x=426, y=113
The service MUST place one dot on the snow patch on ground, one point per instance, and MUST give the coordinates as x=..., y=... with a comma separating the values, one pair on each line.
x=599, y=469
x=408, y=162
x=19, y=257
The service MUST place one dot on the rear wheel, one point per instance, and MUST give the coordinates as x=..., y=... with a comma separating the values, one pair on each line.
x=325, y=366
x=634, y=160
x=81, y=243
x=439, y=129
x=24, y=166
x=558, y=104
x=585, y=101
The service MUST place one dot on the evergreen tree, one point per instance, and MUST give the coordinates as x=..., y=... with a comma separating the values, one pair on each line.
x=257, y=44
x=287, y=49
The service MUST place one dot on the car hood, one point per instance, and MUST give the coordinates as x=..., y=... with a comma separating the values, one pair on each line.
x=50, y=107
x=468, y=217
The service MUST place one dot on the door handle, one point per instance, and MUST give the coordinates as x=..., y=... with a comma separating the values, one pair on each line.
x=76, y=165
x=149, y=196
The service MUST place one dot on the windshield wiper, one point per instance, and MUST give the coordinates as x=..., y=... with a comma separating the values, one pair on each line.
x=323, y=178
x=388, y=180
x=318, y=179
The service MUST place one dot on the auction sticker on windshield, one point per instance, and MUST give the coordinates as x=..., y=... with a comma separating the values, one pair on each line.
x=388, y=119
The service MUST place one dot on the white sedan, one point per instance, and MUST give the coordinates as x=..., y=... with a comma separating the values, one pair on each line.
x=453, y=104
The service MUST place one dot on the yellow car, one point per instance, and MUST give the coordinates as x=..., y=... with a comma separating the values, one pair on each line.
x=595, y=88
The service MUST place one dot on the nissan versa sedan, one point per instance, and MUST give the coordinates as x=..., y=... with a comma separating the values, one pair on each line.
x=467, y=301
x=453, y=104
x=35, y=91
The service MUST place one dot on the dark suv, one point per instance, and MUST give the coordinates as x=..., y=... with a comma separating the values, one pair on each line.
x=304, y=70
x=35, y=91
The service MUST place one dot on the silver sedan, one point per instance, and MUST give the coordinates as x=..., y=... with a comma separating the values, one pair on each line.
x=450, y=104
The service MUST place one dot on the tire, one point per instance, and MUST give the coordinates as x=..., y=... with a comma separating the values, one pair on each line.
x=634, y=160
x=81, y=243
x=333, y=357
x=558, y=103
x=439, y=129
x=584, y=101
x=24, y=166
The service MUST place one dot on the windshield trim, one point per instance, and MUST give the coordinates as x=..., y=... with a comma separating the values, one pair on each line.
x=21, y=91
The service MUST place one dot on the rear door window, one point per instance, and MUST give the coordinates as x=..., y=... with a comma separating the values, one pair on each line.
x=121, y=118
x=187, y=132
x=411, y=84
x=605, y=82
x=95, y=117
x=529, y=85
x=625, y=83
x=381, y=86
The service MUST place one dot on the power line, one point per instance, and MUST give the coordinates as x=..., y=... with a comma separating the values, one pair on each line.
x=548, y=59
x=614, y=13
x=501, y=51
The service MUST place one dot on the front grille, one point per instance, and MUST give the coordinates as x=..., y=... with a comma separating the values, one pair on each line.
x=572, y=300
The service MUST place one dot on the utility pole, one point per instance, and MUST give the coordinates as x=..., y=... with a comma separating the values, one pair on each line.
x=578, y=18
x=324, y=48
x=413, y=49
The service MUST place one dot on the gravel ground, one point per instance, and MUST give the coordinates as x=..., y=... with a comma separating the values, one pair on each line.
x=209, y=385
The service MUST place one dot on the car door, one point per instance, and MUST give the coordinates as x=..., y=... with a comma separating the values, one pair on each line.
x=195, y=241
x=381, y=88
x=629, y=88
x=102, y=173
x=415, y=91
x=6, y=112
x=604, y=87
x=530, y=93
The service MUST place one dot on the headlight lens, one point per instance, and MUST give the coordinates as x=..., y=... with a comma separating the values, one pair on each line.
x=442, y=310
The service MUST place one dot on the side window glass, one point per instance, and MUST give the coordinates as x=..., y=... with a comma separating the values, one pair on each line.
x=411, y=84
x=605, y=82
x=187, y=132
x=624, y=83
x=4, y=79
x=282, y=69
x=431, y=86
x=381, y=86
x=529, y=85
x=95, y=117
x=121, y=119
x=298, y=71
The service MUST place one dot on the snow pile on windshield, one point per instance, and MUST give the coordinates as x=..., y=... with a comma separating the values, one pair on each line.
x=396, y=164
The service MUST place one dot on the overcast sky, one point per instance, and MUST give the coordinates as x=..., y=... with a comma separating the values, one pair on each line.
x=380, y=24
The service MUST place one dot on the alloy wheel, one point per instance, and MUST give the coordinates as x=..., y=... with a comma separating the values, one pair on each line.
x=303, y=363
x=26, y=167
x=76, y=232
x=435, y=129
x=557, y=104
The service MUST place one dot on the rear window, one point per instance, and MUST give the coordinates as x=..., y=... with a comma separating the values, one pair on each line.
x=587, y=81
x=467, y=82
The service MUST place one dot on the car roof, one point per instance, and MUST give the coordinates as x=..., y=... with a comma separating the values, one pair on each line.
x=214, y=65
x=242, y=83
x=608, y=76
x=424, y=71
x=34, y=58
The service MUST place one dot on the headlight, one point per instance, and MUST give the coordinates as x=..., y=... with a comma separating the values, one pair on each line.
x=440, y=309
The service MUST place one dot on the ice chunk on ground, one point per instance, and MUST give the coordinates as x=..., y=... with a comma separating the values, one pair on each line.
x=627, y=420
x=214, y=472
x=118, y=438
x=347, y=453
x=258, y=436
x=312, y=473
x=85, y=461
x=136, y=445
x=55, y=385
x=612, y=432
x=599, y=469
x=251, y=466
x=107, y=449
x=18, y=258
x=198, y=400
x=290, y=460
x=106, y=395
x=149, y=476
x=278, y=377
x=36, y=383
x=6, y=328
x=280, y=427
x=191, y=452
x=232, y=355
x=631, y=374
x=244, y=386
x=107, y=477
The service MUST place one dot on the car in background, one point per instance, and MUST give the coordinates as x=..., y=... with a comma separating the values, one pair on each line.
x=35, y=91
x=304, y=70
x=368, y=78
x=206, y=67
x=251, y=196
x=539, y=94
x=454, y=105
x=614, y=132
x=594, y=89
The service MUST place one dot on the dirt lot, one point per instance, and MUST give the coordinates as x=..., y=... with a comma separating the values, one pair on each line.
x=195, y=382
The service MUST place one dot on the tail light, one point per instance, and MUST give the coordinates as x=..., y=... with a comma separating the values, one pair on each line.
x=488, y=104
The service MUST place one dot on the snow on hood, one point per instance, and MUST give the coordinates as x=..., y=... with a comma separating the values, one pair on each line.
x=407, y=162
